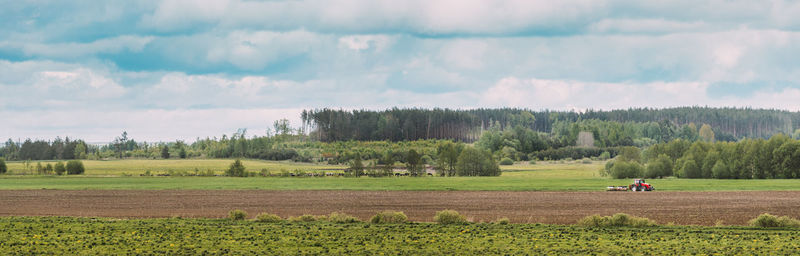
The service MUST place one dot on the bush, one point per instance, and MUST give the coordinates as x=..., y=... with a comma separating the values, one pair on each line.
x=625, y=169
x=268, y=218
x=337, y=217
x=75, y=167
x=447, y=217
x=532, y=162
x=503, y=221
x=476, y=162
x=237, y=215
x=767, y=220
x=59, y=168
x=3, y=167
x=586, y=161
x=236, y=169
x=617, y=220
x=658, y=167
x=506, y=161
x=389, y=217
x=303, y=218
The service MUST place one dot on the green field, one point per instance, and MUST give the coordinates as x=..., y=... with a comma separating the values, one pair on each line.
x=539, y=177
x=83, y=236
x=137, y=167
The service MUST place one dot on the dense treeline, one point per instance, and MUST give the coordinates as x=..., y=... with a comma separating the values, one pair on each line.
x=45, y=150
x=585, y=138
x=466, y=125
x=777, y=157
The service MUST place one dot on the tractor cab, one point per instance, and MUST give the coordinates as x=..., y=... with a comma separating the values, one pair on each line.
x=640, y=185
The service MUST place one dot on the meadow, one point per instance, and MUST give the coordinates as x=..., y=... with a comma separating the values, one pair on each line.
x=83, y=236
x=545, y=176
x=136, y=167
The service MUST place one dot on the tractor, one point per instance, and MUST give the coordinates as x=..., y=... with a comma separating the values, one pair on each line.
x=640, y=185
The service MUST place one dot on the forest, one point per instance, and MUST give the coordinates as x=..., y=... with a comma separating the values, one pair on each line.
x=467, y=125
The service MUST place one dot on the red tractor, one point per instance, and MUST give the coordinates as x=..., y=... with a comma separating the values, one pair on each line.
x=640, y=185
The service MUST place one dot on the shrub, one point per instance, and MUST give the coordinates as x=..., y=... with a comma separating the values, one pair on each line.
x=506, y=161
x=660, y=166
x=337, y=217
x=604, y=156
x=767, y=220
x=449, y=217
x=3, y=167
x=237, y=215
x=532, y=162
x=75, y=167
x=503, y=221
x=303, y=218
x=625, y=169
x=476, y=162
x=268, y=218
x=617, y=220
x=389, y=217
x=59, y=168
x=586, y=161
x=236, y=169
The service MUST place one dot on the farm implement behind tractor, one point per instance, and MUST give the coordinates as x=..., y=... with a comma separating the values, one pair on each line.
x=638, y=185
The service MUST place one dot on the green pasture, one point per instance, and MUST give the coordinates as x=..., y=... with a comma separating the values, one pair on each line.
x=523, y=177
x=85, y=236
x=137, y=167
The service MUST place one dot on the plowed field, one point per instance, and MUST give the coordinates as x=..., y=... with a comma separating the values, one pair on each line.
x=703, y=208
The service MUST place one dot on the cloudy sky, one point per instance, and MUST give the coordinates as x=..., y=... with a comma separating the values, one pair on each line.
x=166, y=70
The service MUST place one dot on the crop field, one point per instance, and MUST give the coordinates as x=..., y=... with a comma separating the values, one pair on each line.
x=83, y=236
x=538, y=177
x=696, y=208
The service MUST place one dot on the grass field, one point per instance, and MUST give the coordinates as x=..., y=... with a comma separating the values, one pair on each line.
x=83, y=236
x=539, y=177
x=137, y=167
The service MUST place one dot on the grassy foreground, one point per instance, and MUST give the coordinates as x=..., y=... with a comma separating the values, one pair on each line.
x=83, y=236
x=538, y=177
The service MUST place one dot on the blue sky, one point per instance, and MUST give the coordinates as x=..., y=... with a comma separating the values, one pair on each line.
x=166, y=70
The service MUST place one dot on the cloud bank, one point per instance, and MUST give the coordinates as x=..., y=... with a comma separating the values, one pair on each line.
x=165, y=70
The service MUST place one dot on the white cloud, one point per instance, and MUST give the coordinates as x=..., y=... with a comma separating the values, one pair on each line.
x=646, y=26
x=419, y=17
x=465, y=54
x=151, y=125
x=364, y=42
x=173, y=15
x=72, y=50
x=255, y=50
x=570, y=94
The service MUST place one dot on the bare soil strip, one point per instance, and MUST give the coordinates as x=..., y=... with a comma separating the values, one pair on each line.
x=703, y=208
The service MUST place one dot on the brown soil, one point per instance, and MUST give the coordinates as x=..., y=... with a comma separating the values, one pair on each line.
x=703, y=208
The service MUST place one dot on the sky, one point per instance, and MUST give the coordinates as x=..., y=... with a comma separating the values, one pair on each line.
x=169, y=70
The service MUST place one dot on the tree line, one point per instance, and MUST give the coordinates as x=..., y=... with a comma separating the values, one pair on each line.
x=467, y=125
x=776, y=157
x=45, y=150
